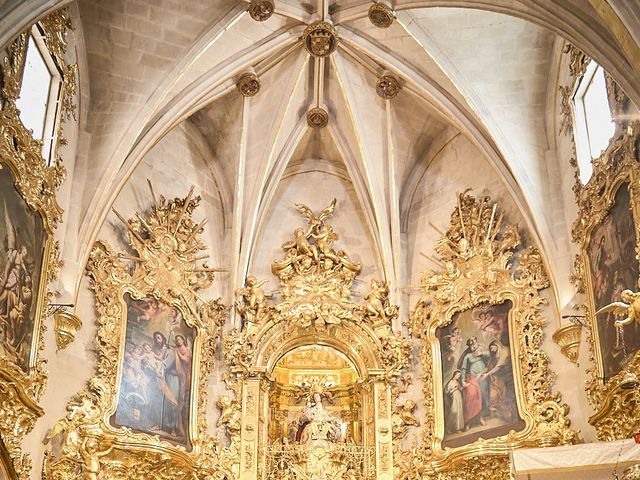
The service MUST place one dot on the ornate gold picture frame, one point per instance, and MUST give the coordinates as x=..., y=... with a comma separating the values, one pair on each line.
x=31, y=262
x=617, y=171
x=484, y=268
x=165, y=273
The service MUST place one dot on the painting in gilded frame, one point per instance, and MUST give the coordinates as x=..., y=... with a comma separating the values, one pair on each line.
x=22, y=247
x=479, y=394
x=614, y=268
x=156, y=382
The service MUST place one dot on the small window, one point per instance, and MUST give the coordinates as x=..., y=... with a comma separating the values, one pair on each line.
x=39, y=92
x=594, y=124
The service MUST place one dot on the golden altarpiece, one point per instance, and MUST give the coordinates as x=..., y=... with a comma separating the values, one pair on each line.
x=29, y=260
x=151, y=320
x=314, y=379
x=317, y=375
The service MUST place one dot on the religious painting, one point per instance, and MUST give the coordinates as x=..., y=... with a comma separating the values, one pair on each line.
x=22, y=246
x=614, y=268
x=477, y=376
x=155, y=386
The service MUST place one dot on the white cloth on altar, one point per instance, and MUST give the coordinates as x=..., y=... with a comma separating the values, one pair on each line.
x=594, y=461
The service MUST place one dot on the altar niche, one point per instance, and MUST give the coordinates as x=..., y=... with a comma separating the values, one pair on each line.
x=316, y=418
x=312, y=374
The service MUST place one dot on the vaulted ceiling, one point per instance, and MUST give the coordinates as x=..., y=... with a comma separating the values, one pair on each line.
x=484, y=73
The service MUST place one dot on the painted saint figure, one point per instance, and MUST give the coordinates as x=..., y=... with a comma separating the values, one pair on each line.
x=454, y=408
x=155, y=389
x=473, y=363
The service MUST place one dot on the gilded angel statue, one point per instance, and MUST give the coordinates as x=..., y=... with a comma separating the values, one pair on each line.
x=629, y=307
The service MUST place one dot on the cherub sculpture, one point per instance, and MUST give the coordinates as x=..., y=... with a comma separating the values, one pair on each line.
x=91, y=455
x=251, y=301
x=403, y=418
x=378, y=300
x=229, y=416
x=629, y=307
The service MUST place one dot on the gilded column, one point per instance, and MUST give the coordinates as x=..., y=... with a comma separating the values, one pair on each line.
x=249, y=439
x=384, y=446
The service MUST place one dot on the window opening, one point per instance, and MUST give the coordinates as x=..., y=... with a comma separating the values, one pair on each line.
x=594, y=124
x=39, y=92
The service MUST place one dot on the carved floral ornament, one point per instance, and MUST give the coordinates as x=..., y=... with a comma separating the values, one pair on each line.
x=164, y=267
x=484, y=264
x=36, y=183
x=616, y=407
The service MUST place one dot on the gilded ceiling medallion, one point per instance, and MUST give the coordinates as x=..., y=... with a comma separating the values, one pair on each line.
x=248, y=84
x=317, y=117
x=381, y=15
x=387, y=86
x=320, y=39
x=261, y=10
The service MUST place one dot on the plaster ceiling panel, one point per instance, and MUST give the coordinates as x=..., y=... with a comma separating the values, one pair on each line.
x=220, y=123
x=318, y=143
x=414, y=128
x=397, y=42
x=240, y=38
x=508, y=86
x=269, y=119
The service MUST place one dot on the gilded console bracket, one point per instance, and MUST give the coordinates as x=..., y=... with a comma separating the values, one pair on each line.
x=568, y=339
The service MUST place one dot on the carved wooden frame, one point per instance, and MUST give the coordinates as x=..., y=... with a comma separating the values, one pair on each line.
x=616, y=408
x=37, y=183
x=483, y=262
x=161, y=269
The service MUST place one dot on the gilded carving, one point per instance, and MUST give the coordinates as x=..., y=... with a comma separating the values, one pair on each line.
x=578, y=61
x=248, y=84
x=381, y=15
x=487, y=273
x=23, y=293
x=317, y=117
x=608, y=199
x=163, y=275
x=261, y=10
x=387, y=86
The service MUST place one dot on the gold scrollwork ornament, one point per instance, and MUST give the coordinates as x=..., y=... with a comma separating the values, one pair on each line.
x=616, y=408
x=164, y=267
x=477, y=254
x=37, y=184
